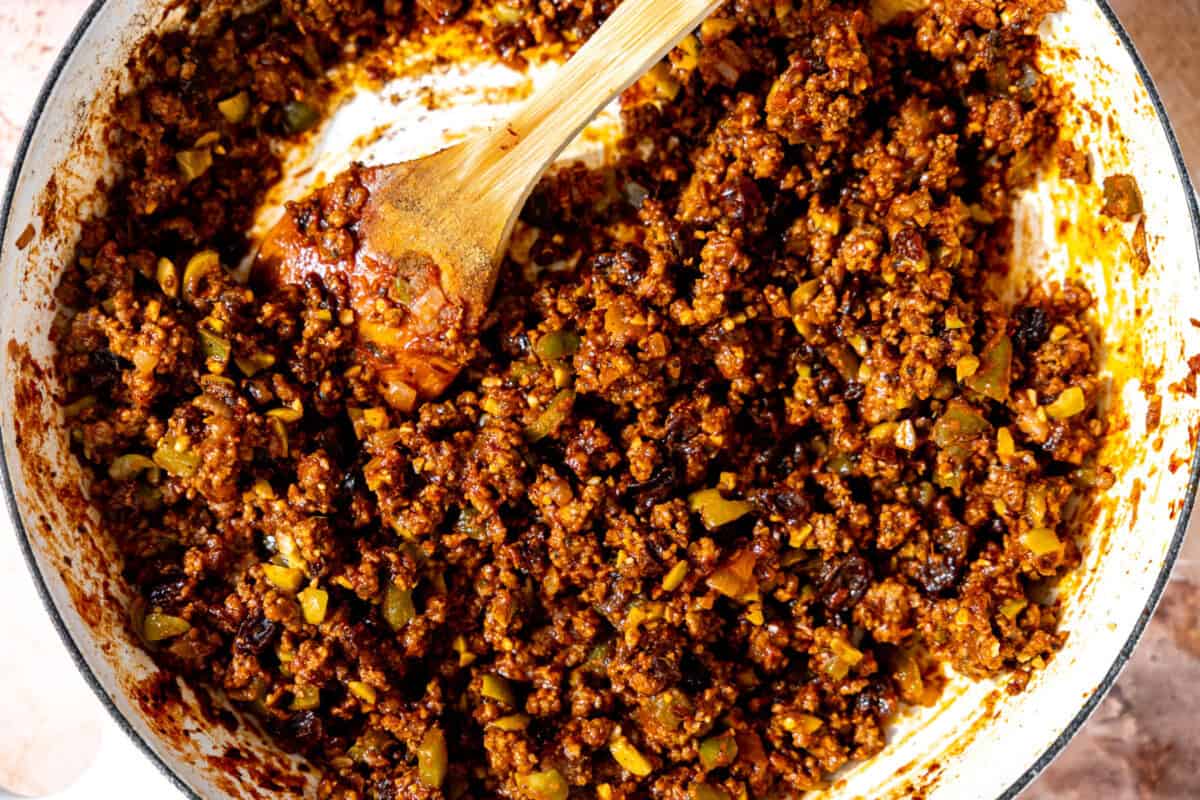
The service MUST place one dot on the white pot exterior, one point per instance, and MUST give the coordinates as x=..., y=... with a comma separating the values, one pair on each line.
x=978, y=742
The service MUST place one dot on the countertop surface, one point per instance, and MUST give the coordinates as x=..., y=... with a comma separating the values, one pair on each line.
x=1142, y=742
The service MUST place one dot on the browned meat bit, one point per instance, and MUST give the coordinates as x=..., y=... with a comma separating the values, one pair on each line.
x=1122, y=197
x=746, y=454
x=1075, y=163
x=819, y=96
x=441, y=10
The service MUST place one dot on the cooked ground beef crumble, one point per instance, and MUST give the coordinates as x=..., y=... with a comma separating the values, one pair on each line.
x=746, y=452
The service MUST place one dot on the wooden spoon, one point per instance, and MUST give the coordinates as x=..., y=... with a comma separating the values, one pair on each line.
x=432, y=233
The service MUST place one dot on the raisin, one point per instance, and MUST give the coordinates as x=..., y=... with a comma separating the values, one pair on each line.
x=166, y=593
x=790, y=506
x=939, y=574
x=877, y=700
x=658, y=488
x=305, y=730
x=845, y=582
x=694, y=676
x=742, y=202
x=1031, y=328
x=255, y=634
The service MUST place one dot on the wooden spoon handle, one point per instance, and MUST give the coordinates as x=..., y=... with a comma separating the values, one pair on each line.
x=504, y=165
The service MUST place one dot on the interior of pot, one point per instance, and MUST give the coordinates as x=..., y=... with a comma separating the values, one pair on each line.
x=1129, y=536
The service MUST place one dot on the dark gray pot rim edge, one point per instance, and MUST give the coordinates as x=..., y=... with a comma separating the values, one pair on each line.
x=1027, y=778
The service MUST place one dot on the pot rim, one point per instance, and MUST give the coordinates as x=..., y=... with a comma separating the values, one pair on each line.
x=1020, y=784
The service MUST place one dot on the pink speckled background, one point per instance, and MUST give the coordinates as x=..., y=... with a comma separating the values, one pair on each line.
x=1144, y=741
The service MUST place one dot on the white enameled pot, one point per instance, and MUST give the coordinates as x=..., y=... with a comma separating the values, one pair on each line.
x=979, y=742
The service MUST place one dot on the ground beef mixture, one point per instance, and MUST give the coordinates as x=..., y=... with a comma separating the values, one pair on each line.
x=746, y=454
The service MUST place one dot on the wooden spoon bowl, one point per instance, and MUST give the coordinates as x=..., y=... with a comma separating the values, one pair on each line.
x=426, y=238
